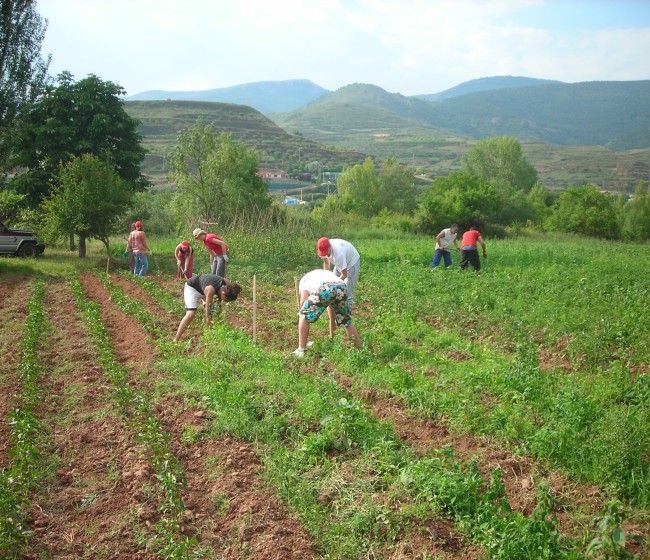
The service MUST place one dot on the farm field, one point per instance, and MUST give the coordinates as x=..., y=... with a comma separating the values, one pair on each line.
x=504, y=415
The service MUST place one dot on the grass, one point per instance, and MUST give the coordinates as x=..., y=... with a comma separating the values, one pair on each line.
x=545, y=354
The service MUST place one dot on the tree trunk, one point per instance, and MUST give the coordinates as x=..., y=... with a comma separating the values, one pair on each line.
x=107, y=244
x=82, y=246
x=72, y=245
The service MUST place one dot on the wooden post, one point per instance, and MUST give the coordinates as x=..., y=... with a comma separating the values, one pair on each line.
x=254, y=308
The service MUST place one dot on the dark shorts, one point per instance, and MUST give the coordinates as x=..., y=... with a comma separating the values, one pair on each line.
x=329, y=294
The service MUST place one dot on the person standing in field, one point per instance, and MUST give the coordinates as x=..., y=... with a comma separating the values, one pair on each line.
x=184, y=254
x=346, y=260
x=469, y=249
x=444, y=240
x=130, y=253
x=138, y=244
x=205, y=288
x=321, y=289
x=217, y=249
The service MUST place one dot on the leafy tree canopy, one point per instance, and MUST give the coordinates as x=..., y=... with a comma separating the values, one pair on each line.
x=461, y=198
x=23, y=73
x=396, y=187
x=636, y=215
x=72, y=119
x=216, y=177
x=587, y=211
x=500, y=159
x=89, y=201
x=358, y=188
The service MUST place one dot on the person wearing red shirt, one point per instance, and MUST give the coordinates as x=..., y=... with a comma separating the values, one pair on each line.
x=217, y=248
x=469, y=249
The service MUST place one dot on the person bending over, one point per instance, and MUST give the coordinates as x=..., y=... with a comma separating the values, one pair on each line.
x=205, y=288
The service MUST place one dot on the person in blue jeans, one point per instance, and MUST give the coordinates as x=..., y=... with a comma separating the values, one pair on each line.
x=444, y=240
x=138, y=244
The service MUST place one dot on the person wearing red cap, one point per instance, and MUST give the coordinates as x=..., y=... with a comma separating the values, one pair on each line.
x=184, y=254
x=346, y=260
x=138, y=244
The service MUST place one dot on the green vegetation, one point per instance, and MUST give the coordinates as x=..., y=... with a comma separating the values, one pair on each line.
x=28, y=462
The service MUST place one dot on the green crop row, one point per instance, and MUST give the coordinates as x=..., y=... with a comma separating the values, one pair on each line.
x=356, y=486
x=167, y=540
x=28, y=435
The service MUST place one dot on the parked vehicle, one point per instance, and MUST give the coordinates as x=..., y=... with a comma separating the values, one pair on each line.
x=19, y=242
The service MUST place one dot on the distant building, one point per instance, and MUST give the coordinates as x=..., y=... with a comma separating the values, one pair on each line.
x=293, y=201
x=331, y=176
x=273, y=174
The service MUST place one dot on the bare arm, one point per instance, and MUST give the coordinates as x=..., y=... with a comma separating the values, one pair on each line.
x=209, y=298
x=480, y=240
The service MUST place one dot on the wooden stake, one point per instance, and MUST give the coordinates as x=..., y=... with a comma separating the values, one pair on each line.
x=254, y=308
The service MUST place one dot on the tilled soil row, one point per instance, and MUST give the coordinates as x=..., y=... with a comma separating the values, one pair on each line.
x=437, y=538
x=521, y=474
x=13, y=313
x=229, y=510
x=88, y=509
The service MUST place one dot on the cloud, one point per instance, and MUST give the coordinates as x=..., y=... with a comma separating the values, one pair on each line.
x=407, y=46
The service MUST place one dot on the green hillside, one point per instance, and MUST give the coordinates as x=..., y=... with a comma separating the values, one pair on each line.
x=588, y=113
x=569, y=131
x=161, y=121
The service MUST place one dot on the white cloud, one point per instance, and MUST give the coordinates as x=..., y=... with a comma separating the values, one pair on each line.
x=406, y=46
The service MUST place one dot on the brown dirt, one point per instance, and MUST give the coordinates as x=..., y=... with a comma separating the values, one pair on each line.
x=97, y=500
x=13, y=314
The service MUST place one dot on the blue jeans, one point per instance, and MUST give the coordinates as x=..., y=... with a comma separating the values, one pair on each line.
x=441, y=253
x=140, y=264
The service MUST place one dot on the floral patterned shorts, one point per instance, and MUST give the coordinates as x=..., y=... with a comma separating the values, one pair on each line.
x=330, y=294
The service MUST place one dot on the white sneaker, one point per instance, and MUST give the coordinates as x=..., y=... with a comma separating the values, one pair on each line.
x=299, y=352
x=310, y=344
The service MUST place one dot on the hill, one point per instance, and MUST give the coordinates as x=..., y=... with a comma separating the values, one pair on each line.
x=266, y=97
x=586, y=113
x=569, y=131
x=161, y=121
x=485, y=84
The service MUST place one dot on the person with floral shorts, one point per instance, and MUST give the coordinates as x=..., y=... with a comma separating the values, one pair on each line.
x=319, y=290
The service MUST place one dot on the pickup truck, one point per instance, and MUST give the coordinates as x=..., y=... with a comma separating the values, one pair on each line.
x=19, y=242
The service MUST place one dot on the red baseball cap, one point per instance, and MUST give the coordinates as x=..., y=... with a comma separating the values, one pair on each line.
x=185, y=244
x=323, y=247
x=138, y=224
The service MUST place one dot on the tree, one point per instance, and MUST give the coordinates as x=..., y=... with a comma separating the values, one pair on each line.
x=461, y=198
x=358, y=188
x=636, y=215
x=89, y=202
x=587, y=211
x=396, y=187
x=500, y=159
x=72, y=119
x=216, y=177
x=23, y=73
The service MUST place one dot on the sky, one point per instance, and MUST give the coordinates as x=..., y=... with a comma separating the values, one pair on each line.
x=410, y=47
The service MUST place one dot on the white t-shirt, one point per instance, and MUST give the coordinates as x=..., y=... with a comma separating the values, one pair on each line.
x=313, y=280
x=344, y=255
x=447, y=241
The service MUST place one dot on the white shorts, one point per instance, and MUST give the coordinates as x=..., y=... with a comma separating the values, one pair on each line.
x=192, y=298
